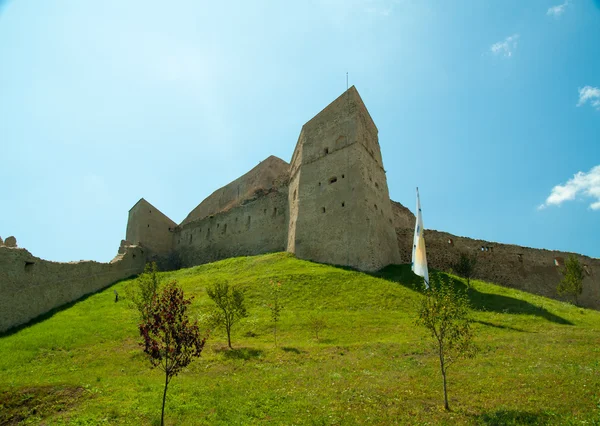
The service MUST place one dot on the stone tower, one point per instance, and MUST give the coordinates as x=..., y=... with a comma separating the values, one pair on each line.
x=339, y=206
x=151, y=229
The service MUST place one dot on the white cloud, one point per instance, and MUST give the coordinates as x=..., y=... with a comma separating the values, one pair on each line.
x=581, y=184
x=589, y=93
x=557, y=11
x=505, y=47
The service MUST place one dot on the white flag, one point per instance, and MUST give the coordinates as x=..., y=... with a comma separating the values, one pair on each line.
x=419, y=257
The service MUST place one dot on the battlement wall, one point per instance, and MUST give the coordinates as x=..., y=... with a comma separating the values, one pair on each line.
x=533, y=270
x=30, y=286
x=256, y=227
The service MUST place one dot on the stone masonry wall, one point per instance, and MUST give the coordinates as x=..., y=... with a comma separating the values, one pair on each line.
x=533, y=270
x=339, y=204
x=256, y=227
x=30, y=286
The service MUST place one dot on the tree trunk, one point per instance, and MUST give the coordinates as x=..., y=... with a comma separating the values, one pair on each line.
x=229, y=337
x=162, y=416
x=445, y=393
x=443, y=368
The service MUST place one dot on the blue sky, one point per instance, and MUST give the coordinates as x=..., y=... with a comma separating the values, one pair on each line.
x=491, y=108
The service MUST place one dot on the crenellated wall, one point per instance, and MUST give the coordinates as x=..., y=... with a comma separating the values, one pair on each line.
x=31, y=286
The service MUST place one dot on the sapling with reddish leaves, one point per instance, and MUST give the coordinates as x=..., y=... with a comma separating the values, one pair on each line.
x=170, y=339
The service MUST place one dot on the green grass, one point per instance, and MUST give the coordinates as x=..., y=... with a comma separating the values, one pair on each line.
x=539, y=361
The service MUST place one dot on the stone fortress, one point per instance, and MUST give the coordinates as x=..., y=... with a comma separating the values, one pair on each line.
x=330, y=204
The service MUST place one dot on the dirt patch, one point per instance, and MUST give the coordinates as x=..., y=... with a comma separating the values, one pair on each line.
x=39, y=402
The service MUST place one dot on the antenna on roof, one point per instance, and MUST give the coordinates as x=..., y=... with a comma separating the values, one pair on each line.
x=346, y=80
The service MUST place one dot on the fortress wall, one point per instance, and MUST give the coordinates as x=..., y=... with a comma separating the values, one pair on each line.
x=31, y=286
x=524, y=268
x=257, y=227
x=270, y=173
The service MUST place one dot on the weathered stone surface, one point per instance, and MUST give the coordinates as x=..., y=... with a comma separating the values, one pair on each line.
x=331, y=204
x=532, y=270
x=10, y=242
x=1, y=241
x=30, y=286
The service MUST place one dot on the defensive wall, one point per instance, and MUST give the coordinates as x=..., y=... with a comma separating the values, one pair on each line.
x=30, y=286
x=533, y=270
x=330, y=204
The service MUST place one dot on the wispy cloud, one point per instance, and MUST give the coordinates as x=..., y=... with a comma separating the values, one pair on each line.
x=558, y=10
x=506, y=47
x=581, y=184
x=591, y=94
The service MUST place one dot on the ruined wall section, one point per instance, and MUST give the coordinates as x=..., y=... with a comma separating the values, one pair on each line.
x=268, y=175
x=338, y=215
x=31, y=286
x=533, y=270
x=256, y=227
x=150, y=228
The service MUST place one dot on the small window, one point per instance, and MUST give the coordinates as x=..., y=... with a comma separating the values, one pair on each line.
x=333, y=180
x=265, y=211
x=343, y=204
x=556, y=262
x=319, y=183
x=191, y=238
x=326, y=150
x=482, y=248
x=148, y=225
x=248, y=222
x=275, y=212
x=520, y=256
x=295, y=195
x=343, y=176
x=376, y=185
x=224, y=229
x=208, y=234
x=28, y=266
x=218, y=225
x=375, y=206
x=323, y=209
x=450, y=241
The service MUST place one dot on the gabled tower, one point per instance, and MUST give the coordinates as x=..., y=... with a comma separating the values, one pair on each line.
x=339, y=205
x=150, y=228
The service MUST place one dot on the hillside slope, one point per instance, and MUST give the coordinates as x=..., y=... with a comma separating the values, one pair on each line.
x=539, y=361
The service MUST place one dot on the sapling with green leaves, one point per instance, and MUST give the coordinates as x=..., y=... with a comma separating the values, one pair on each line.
x=445, y=312
x=230, y=306
x=572, y=280
x=465, y=267
x=275, y=306
x=141, y=291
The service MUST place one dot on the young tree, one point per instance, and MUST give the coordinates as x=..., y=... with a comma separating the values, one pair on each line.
x=275, y=306
x=444, y=311
x=465, y=267
x=170, y=339
x=317, y=323
x=141, y=291
x=572, y=281
x=230, y=305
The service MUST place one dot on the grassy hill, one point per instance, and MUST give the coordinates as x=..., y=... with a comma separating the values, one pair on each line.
x=539, y=361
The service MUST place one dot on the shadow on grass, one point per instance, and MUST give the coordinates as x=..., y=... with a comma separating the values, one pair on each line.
x=241, y=353
x=52, y=312
x=403, y=275
x=504, y=327
x=293, y=350
x=513, y=417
